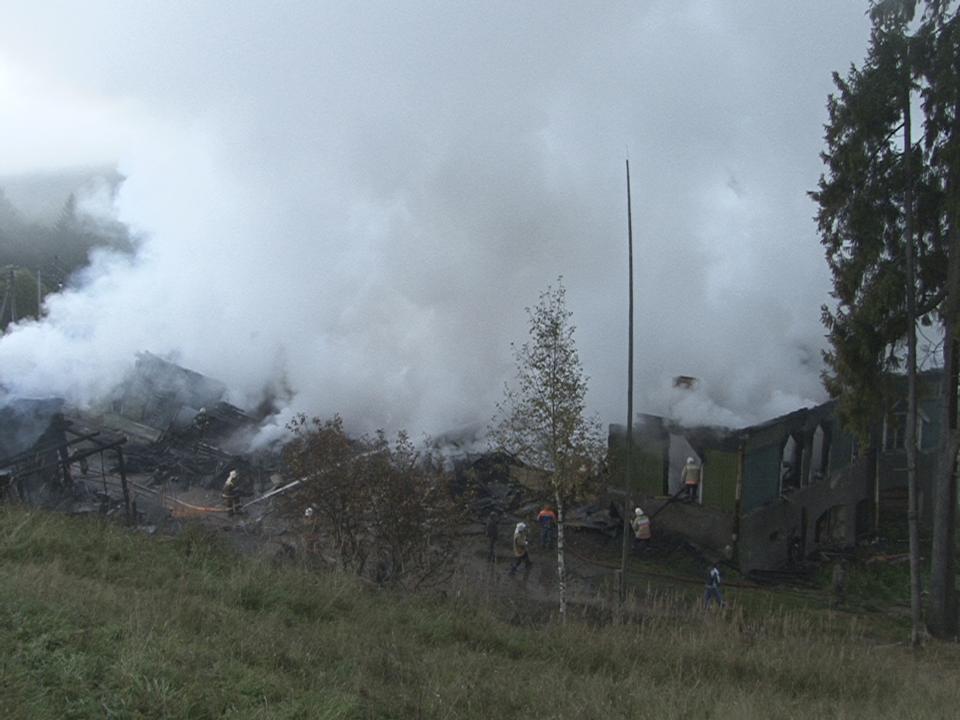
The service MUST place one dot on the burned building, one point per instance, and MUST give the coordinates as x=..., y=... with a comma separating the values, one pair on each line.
x=772, y=494
x=157, y=395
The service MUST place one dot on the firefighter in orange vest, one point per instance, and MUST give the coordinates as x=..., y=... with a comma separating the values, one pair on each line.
x=690, y=477
x=547, y=519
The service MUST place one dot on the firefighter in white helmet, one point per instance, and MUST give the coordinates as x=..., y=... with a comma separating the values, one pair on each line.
x=231, y=492
x=690, y=479
x=641, y=528
x=520, y=542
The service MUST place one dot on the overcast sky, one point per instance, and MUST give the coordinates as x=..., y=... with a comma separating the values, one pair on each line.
x=361, y=198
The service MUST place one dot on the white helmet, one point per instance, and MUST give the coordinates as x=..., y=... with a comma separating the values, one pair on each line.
x=521, y=526
x=690, y=461
x=639, y=511
x=308, y=512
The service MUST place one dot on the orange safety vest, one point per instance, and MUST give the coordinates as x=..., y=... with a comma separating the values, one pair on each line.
x=547, y=513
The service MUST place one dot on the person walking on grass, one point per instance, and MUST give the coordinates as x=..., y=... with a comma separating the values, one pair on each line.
x=520, y=542
x=493, y=533
x=713, y=587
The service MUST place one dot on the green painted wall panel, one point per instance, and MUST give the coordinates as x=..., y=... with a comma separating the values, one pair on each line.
x=648, y=466
x=761, y=476
x=720, y=480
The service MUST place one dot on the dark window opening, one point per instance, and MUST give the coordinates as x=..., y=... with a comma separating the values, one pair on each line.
x=820, y=454
x=895, y=431
x=790, y=478
x=831, y=528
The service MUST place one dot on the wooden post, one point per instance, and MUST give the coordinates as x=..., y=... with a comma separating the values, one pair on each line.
x=65, y=464
x=123, y=484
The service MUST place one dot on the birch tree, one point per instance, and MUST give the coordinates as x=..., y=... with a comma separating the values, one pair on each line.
x=541, y=420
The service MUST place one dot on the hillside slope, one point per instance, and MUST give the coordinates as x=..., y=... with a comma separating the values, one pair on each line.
x=97, y=621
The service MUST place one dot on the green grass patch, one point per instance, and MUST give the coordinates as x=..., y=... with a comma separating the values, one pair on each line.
x=100, y=622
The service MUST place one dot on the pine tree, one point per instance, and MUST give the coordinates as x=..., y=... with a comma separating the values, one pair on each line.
x=863, y=217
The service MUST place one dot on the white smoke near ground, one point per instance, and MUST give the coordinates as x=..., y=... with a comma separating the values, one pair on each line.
x=355, y=204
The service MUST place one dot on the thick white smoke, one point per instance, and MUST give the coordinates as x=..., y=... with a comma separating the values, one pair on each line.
x=357, y=203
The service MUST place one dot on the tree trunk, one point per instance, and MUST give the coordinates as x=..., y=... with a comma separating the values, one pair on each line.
x=942, y=617
x=910, y=439
x=942, y=610
x=561, y=566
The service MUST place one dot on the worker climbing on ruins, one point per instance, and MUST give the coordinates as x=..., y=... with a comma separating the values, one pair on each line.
x=547, y=519
x=201, y=422
x=641, y=529
x=493, y=534
x=520, y=542
x=713, y=587
x=231, y=492
x=690, y=479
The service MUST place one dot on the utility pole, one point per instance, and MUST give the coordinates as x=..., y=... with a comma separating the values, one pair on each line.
x=39, y=293
x=628, y=460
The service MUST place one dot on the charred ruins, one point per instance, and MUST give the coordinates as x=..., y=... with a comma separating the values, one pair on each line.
x=771, y=495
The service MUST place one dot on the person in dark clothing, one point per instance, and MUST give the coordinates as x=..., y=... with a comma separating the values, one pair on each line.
x=547, y=520
x=493, y=533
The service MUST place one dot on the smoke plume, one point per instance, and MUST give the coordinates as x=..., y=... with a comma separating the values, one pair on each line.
x=351, y=206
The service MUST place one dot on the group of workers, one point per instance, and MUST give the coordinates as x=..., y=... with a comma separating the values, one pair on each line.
x=547, y=519
x=640, y=525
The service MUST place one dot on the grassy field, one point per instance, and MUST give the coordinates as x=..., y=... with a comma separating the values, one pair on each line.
x=100, y=622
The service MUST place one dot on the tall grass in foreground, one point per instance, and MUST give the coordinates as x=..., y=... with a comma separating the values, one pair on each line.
x=96, y=622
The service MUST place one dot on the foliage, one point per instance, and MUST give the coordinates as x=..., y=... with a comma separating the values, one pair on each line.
x=25, y=288
x=384, y=509
x=57, y=250
x=541, y=420
x=860, y=198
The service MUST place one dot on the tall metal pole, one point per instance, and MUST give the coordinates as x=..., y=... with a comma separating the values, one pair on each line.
x=39, y=293
x=628, y=460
